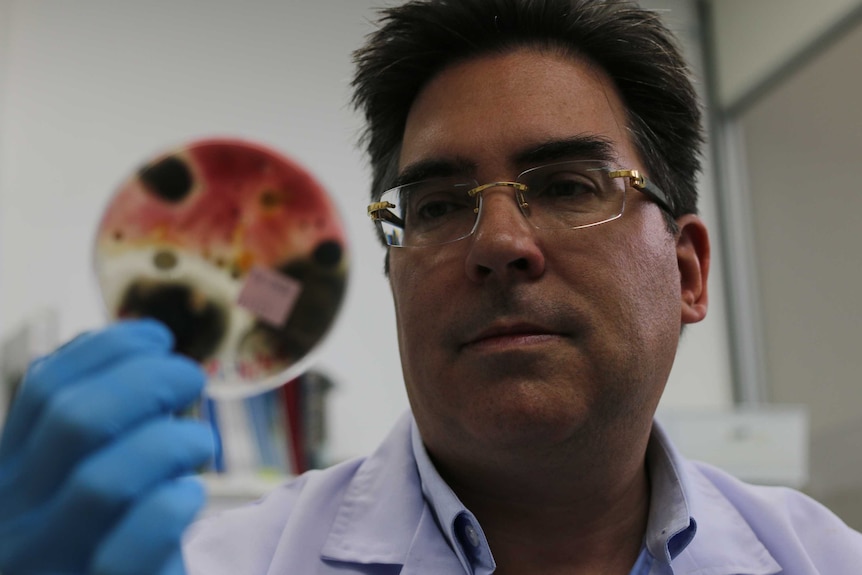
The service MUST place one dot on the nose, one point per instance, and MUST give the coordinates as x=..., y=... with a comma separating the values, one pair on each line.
x=504, y=244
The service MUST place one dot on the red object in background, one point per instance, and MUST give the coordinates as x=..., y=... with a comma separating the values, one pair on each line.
x=291, y=395
x=237, y=249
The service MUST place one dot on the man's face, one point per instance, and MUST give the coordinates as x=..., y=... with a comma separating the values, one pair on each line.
x=523, y=338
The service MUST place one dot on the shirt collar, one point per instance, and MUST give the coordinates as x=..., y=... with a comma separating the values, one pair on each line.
x=680, y=493
x=675, y=501
x=397, y=505
x=458, y=524
x=670, y=525
x=383, y=517
x=366, y=530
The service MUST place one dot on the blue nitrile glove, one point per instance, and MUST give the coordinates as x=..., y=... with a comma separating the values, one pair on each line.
x=93, y=463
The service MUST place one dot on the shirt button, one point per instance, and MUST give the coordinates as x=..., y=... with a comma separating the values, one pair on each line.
x=472, y=536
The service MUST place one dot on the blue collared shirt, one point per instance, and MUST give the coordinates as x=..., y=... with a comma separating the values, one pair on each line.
x=392, y=513
x=670, y=527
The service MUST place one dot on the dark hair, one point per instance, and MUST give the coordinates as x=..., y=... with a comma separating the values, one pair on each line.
x=418, y=39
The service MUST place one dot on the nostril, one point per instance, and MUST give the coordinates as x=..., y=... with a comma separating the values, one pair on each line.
x=165, y=260
x=482, y=271
x=505, y=254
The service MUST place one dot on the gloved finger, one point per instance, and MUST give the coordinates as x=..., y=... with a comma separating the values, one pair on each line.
x=61, y=535
x=80, y=419
x=146, y=541
x=72, y=362
x=175, y=565
x=122, y=471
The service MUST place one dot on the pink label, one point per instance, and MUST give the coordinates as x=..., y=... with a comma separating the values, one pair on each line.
x=269, y=295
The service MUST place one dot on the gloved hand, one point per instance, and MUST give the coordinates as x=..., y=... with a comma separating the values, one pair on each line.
x=93, y=463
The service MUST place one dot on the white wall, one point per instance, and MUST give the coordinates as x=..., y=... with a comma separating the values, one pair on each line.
x=789, y=93
x=801, y=144
x=754, y=38
x=702, y=374
x=95, y=87
x=4, y=50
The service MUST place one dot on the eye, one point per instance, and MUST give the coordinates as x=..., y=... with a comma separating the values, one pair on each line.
x=567, y=185
x=430, y=204
x=439, y=206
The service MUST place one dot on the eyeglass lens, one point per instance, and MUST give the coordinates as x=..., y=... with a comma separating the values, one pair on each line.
x=565, y=195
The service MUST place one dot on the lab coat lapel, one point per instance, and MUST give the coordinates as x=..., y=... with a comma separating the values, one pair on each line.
x=384, y=518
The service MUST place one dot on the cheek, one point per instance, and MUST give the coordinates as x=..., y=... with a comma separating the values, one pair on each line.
x=421, y=282
x=416, y=294
x=635, y=282
x=405, y=283
x=650, y=280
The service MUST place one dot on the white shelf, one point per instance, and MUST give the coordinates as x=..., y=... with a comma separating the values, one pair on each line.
x=234, y=489
x=762, y=444
x=241, y=484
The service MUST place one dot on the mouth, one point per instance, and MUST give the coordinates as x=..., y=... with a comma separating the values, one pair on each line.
x=511, y=334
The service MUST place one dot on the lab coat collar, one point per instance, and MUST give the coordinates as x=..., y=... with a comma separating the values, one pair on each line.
x=722, y=542
x=384, y=519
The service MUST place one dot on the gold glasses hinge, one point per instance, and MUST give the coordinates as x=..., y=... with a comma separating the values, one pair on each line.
x=375, y=209
x=634, y=176
x=379, y=212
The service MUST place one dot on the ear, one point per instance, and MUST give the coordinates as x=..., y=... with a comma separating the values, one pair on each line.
x=692, y=254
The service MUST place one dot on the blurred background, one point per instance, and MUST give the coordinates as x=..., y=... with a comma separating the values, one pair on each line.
x=768, y=386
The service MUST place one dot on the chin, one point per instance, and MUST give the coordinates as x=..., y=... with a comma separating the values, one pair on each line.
x=528, y=416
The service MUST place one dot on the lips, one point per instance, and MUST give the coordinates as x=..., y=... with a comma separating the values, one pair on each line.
x=513, y=332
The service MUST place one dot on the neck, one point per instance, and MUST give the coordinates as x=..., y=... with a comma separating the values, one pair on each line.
x=570, y=515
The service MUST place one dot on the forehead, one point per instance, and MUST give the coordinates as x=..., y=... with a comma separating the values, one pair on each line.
x=488, y=109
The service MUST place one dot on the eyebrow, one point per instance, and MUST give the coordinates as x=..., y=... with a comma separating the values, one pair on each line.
x=581, y=147
x=434, y=168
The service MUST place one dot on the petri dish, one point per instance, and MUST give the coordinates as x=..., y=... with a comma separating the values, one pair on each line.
x=238, y=249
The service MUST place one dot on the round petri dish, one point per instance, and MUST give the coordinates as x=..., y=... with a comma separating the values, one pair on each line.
x=237, y=249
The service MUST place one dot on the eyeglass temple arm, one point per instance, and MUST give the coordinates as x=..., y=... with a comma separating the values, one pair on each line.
x=637, y=181
x=379, y=211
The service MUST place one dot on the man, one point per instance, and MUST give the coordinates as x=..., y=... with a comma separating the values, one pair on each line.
x=534, y=178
